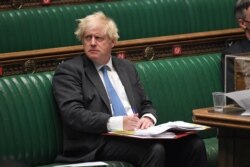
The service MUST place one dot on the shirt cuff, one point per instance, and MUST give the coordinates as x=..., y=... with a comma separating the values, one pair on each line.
x=150, y=116
x=115, y=124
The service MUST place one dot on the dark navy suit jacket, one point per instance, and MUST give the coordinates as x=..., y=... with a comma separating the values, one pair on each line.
x=84, y=106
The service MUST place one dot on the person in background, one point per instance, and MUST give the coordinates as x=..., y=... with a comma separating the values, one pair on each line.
x=242, y=15
x=84, y=88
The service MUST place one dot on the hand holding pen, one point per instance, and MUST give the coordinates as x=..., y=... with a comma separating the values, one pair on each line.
x=144, y=122
x=133, y=122
x=130, y=122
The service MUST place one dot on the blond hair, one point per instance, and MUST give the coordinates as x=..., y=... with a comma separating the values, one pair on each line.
x=109, y=26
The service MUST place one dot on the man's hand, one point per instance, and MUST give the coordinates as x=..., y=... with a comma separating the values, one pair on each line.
x=144, y=123
x=132, y=122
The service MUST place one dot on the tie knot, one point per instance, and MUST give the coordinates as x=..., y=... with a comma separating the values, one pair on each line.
x=104, y=69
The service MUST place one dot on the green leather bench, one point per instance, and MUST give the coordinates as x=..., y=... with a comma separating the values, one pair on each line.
x=29, y=125
x=176, y=86
x=53, y=26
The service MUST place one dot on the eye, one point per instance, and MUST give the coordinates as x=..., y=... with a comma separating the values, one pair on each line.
x=88, y=38
x=99, y=39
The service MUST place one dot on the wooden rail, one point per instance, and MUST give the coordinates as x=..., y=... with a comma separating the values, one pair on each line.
x=18, y=4
x=135, y=50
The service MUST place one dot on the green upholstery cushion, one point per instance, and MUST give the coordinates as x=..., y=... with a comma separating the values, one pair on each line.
x=54, y=26
x=212, y=151
x=176, y=86
x=29, y=125
x=179, y=85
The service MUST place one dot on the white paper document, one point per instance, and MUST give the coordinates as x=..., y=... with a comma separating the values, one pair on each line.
x=169, y=130
x=176, y=125
x=99, y=163
x=242, y=98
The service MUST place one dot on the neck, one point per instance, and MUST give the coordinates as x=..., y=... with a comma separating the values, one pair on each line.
x=247, y=34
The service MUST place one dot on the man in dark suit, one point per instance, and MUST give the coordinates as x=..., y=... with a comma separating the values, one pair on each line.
x=242, y=15
x=87, y=107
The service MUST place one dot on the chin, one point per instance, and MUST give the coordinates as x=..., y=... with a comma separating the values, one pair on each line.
x=95, y=59
x=93, y=56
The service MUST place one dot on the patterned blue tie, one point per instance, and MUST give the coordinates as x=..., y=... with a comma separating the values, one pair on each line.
x=114, y=99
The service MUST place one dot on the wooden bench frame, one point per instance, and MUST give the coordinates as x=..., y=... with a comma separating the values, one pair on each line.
x=134, y=50
x=18, y=4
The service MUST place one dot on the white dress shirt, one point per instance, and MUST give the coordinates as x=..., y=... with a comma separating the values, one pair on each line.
x=115, y=123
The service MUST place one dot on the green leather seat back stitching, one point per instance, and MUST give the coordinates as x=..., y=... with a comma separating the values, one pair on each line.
x=208, y=15
x=212, y=151
x=177, y=86
x=54, y=26
x=29, y=122
x=29, y=125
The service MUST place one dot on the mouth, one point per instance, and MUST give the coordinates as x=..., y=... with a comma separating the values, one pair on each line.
x=93, y=51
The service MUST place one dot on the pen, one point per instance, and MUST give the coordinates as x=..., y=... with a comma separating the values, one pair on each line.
x=134, y=111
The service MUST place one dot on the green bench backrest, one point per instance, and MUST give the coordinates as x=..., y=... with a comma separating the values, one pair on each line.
x=54, y=26
x=29, y=125
x=179, y=85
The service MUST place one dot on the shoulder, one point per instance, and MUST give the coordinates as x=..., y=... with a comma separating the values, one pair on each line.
x=75, y=64
x=122, y=62
x=77, y=60
x=71, y=69
x=237, y=47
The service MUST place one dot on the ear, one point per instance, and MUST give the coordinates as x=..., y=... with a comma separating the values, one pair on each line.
x=113, y=43
x=242, y=24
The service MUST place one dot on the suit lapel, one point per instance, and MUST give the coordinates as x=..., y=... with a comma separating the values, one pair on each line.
x=96, y=80
x=123, y=75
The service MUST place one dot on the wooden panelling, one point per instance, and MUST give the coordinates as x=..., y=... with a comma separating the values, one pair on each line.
x=134, y=50
x=233, y=135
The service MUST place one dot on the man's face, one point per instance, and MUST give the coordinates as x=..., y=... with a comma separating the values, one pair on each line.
x=97, y=45
x=245, y=23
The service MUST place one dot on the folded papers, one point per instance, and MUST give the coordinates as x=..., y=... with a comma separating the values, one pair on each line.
x=169, y=130
x=242, y=98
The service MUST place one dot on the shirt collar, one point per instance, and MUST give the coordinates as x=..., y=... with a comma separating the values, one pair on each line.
x=109, y=64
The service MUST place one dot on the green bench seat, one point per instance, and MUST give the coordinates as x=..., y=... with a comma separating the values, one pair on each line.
x=29, y=125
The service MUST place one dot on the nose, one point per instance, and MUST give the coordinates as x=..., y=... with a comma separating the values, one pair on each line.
x=93, y=41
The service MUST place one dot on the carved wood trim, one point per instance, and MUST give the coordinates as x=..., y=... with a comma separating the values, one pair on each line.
x=134, y=50
x=18, y=4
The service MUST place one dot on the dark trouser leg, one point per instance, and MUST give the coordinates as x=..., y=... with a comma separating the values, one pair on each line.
x=142, y=153
x=186, y=152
